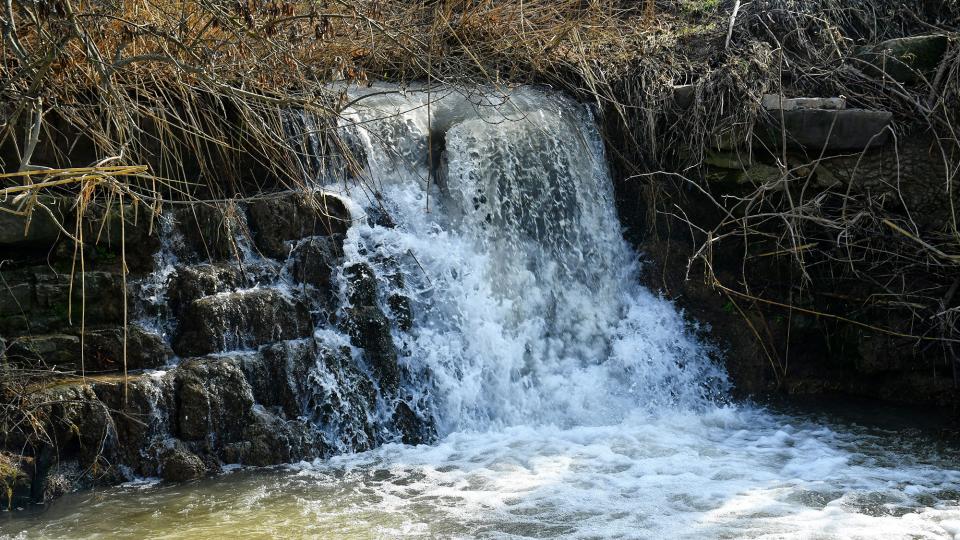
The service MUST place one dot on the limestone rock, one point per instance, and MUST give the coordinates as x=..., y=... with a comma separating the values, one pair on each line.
x=835, y=130
x=142, y=410
x=776, y=102
x=314, y=259
x=683, y=95
x=38, y=300
x=60, y=351
x=212, y=232
x=231, y=321
x=213, y=399
x=279, y=221
x=145, y=349
x=178, y=464
x=906, y=59
x=369, y=328
x=43, y=231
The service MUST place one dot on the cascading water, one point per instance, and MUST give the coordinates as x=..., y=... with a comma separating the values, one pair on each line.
x=568, y=401
x=524, y=293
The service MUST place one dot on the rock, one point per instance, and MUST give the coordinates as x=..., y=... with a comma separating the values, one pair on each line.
x=906, y=59
x=14, y=481
x=683, y=95
x=736, y=168
x=412, y=429
x=278, y=374
x=42, y=232
x=112, y=237
x=145, y=349
x=279, y=221
x=59, y=351
x=232, y=321
x=143, y=411
x=212, y=232
x=273, y=441
x=341, y=399
x=776, y=102
x=815, y=129
x=728, y=160
x=179, y=465
x=213, y=399
x=402, y=311
x=314, y=259
x=369, y=328
x=189, y=283
x=37, y=300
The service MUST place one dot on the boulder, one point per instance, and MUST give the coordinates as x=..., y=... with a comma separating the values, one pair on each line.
x=232, y=321
x=271, y=440
x=143, y=409
x=192, y=282
x=38, y=300
x=683, y=95
x=113, y=236
x=281, y=220
x=60, y=351
x=342, y=399
x=278, y=374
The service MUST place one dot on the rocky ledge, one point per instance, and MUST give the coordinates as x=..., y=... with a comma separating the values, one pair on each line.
x=248, y=341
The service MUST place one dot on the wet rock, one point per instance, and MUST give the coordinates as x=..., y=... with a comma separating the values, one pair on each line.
x=341, y=399
x=278, y=374
x=189, y=283
x=906, y=59
x=14, y=481
x=213, y=400
x=412, y=429
x=369, y=328
x=279, y=221
x=314, y=260
x=226, y=322
x=178, y=464
x=103, y=350
x=142, y=410
x=114, y=236
x=37, y=299
x=272, y=440
x=402, y=311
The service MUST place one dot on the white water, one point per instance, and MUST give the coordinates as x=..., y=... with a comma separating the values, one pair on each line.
x=570, y=401
x=527, y=303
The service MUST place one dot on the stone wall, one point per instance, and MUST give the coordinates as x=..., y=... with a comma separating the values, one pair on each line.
x=224, y=344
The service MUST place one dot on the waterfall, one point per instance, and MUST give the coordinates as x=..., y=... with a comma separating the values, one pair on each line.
x=525, y=297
